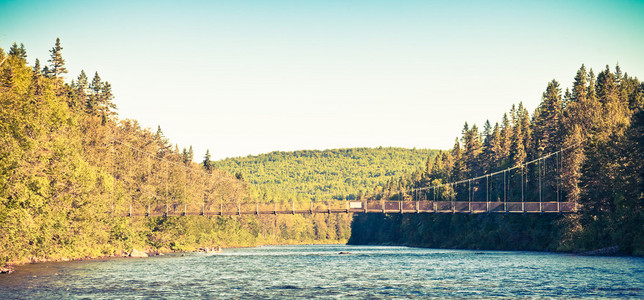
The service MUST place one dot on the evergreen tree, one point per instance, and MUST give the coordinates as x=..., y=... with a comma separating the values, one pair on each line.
x=496, y=146
x=505, y=141
x=82, y=83
x=57, y=67
x=472, y=148
x=36, y=68
x=18, y=52
x=458, y=170
x=486, y=154
x=517, y=149
x=548, y=120
x=207, y=164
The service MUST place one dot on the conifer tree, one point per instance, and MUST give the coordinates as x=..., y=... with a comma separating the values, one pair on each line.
x=486, y=154
x=496, y=147
x=19, y=52
x=506, y=140
x=57, y=67
x=517, y=148
x=458, y=170
x=207, y=164
x=82, y=83
x=36, y=68
x=472, y=148
x=548, y=120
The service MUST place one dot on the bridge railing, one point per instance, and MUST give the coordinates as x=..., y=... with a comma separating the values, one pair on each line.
x=365, y=206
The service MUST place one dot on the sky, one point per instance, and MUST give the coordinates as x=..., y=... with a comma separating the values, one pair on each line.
x=248, y=77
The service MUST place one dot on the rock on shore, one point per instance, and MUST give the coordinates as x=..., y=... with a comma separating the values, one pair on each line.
x=137, y=253
x=6, y=270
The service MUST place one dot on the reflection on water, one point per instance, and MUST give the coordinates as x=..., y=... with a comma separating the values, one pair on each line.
x=320, y=271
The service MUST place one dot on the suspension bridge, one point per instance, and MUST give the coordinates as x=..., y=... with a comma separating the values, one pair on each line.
x=532, y=187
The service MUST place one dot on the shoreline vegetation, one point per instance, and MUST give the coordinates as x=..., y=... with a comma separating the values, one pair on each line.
x=67, y=162
x=599, y=122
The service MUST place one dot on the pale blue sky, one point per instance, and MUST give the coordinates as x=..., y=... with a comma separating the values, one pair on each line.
x=247, y=77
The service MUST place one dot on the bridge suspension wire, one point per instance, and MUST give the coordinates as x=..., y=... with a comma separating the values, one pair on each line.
x=486, y=176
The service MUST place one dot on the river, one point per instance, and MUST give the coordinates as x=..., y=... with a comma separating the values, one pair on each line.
x=320, y=271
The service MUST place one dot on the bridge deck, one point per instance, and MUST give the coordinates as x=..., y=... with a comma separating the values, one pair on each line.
x=345, y=207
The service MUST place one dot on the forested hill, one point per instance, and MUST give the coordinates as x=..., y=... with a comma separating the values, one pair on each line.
x=339, y=173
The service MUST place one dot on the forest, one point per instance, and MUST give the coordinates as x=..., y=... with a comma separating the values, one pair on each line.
x=69, y=166
x=330, y=174
x=596, y=129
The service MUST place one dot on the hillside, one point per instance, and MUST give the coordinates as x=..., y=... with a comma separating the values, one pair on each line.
x=70, y=169
x=337, y=173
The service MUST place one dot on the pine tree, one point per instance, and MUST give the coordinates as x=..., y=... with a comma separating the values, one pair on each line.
x=458, y=171
x=94, y=99
x=57, y=62
x=526, y=128
x=486, y=155
x=505, y=141
x=36, y=68
x=496, y=146
x=517, y=148
x=207, y=164
x=615, y=113
x=106, y=106
x=18, y=52
x=548, y=120
x=472, y=148
x=82, y=82
x=191, y=154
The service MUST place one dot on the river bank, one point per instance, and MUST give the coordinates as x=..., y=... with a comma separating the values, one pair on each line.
x=150, y=252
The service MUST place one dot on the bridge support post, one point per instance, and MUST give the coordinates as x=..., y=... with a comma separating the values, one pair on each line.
x=364, y=205
x=185, y=209
x=203, y=208
x=417, y=207
x=487, y=193
x=383, y=206
x=469, y=193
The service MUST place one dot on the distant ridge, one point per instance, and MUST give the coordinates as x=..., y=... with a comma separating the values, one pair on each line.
x=344, y=173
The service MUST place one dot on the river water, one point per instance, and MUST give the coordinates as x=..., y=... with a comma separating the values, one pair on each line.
x=320, y=271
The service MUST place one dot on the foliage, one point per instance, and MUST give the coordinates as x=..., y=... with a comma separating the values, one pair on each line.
x=337, y=173
x=69, y=168
x=600, y=123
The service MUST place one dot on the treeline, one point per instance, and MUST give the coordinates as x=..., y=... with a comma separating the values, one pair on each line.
x=599, y=122
x=69, y=166
x=330, y=174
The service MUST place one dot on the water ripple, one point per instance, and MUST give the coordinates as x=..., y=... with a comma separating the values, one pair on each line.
x=373, y=272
